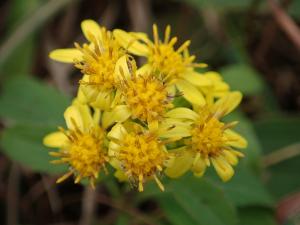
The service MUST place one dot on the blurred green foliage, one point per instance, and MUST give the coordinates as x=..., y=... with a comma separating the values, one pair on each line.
x=30, y=109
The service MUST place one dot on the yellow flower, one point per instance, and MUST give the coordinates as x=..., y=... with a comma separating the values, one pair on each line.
x=174, y=67
x=97, y=61
x=211, y=141
x=139, y=154
x=217, y=89
x=81, y=146
x=145, y=96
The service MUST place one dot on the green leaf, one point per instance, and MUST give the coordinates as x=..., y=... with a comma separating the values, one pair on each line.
x=123, y=219
x=181, y=102
x=245, y=189
x=294, y=9
x=257, y=216
x=243, y=78
x=277, y=132
x=21, y=59
x=25, y=100
x=174, y=212
x=203, y=202
x=23, y=143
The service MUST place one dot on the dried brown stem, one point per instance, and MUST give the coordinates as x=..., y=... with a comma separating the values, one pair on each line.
x=125, y=208
x=285, y=22
x=88, y=206
x=281, y=155
x=140, y=14
x=13, y=195
x=54, y=200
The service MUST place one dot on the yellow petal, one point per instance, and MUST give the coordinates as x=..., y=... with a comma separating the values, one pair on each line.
x=145, y=69
x=91, y=29
x=55, y=140
x=190, y=93
x=119, y=114
x=81, y=96
x=103, y=100
x=86, y=116
x=90, y=94
x=172, y=128
x=182, y=113
x=171, y=89
x=68, y=55
x=227, y=103
x=96, y=116
x=131, y=42
x=213, y=76
x=221, y=87
x=223, y=168
x=199, y=167
x=140, y=36
x=181, y=163
x=197, y=79
x=113, y=148
x=120, y=175
x=235, y=139
x=73, y=118
x=230, y=157
x=121, y=69
x=117, y=132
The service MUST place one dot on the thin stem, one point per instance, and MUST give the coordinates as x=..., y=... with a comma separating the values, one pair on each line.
x=13, y=195
x=88, y=206
x=125, y=208
x=285, y=22
x=281, y=155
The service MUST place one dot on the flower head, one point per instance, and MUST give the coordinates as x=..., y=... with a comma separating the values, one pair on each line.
x=81, y=146
x=138, y=153
x=211, y=141
x=96, y=59
x=145, y=95
x=174, y=67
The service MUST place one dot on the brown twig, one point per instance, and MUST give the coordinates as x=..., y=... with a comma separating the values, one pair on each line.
x=140, y=14
x=281, y=155
x=13, y=195
x=88, y=206
x=54, y=200
x=125, y=208
x=286, y=23
x=110, y=14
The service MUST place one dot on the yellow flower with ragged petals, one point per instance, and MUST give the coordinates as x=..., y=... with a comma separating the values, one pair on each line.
x=140, y=154
x=81, y=146
x=174, y=67
x=211, y=141
x=97, y=61
x=145, y=96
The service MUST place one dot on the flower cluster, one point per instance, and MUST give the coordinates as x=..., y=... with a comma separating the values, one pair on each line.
x=126, y=117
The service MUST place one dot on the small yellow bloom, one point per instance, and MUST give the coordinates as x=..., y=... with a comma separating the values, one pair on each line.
x=174, y=67
x=212, y=141
x=139, y=154
x=96, y=60
x=81, y=146
x=146, y=96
